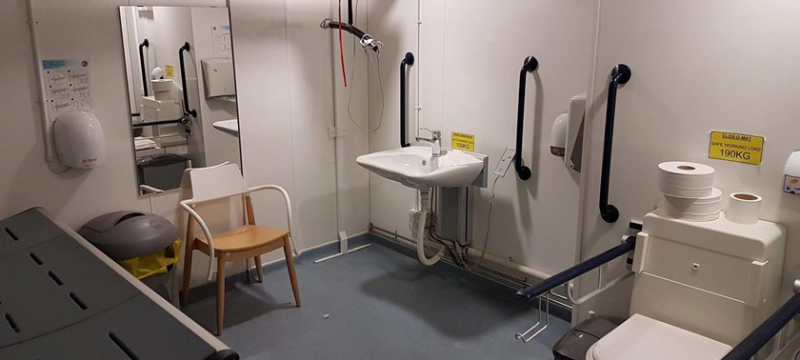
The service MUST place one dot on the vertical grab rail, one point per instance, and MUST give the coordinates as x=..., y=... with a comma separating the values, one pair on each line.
x=620, y=75
x=407, y=61
x=186, y=108
x=143, y=65
x=530, y=65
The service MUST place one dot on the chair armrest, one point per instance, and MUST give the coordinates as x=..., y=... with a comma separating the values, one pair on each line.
x=186, y=205
x=288, y=202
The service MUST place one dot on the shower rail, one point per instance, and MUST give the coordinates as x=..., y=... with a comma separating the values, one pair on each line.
x=407, y=61
x=768, y=329
x=143, y=65
x=187, y=109
x=529, y=66
x=620, y=75
x=565, y=276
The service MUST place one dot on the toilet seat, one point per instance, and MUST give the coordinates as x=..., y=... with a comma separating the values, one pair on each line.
x=641, y=337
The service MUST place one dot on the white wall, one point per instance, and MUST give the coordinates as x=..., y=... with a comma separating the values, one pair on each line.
x=719, y=65
x=278, y=46
x=26, y=181
x=469, y=60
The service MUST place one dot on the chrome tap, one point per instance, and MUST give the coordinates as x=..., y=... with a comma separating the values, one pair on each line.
x=435, y=141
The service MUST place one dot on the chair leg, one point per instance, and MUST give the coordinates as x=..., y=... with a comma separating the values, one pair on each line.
x=187, y=272
x=287, y=251
x=259, y=269
x=220, y=294
x=247, y=270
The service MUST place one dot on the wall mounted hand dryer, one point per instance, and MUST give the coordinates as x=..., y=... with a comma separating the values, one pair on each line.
x=78, y=139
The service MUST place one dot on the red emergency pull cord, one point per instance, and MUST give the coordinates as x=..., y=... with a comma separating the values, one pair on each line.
x=341, y=47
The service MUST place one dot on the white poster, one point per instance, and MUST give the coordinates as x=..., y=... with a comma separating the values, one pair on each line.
x=222, y=41
x=66, y=86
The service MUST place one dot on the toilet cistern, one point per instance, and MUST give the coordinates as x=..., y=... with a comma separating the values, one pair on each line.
x=435, y=141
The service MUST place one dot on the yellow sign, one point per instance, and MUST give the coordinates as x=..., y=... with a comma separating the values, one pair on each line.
x=461, y=141
x=742, y=148
x=170, y=71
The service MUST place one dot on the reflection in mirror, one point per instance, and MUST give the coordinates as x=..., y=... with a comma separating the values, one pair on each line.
x=181, y=91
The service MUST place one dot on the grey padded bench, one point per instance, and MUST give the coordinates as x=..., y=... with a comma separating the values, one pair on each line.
x=61, y=298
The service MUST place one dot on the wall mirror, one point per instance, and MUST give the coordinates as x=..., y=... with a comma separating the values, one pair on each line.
x=181, y=91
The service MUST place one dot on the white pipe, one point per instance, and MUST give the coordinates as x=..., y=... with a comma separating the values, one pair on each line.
x=508, y=264
x=424, y=199
x=48, y=150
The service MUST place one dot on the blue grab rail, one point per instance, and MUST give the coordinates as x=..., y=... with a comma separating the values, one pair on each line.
x=764, y=332
x=561, y=278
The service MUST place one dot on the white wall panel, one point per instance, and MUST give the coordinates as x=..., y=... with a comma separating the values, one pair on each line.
x=469, y=60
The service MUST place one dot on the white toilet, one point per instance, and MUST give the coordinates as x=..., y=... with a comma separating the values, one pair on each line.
x=699, y=289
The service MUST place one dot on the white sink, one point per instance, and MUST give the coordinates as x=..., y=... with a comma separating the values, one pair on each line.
x=227, y=126
x=415, y=167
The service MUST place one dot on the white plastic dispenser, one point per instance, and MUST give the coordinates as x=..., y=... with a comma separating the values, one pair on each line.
x=558, y=135
x=699, y=289
x=566, y=136
x=218, y=76
x=78, y=139
x=791, y=174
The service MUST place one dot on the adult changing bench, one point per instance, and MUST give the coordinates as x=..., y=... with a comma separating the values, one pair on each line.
x=61, y=298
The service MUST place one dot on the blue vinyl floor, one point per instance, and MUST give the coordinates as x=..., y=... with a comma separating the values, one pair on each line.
x=377, y=303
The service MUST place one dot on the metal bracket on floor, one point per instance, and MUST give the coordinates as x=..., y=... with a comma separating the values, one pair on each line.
x=343, y=248
x=541, y=325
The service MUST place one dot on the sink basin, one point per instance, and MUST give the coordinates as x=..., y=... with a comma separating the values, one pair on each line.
x=415, y=167
x=227, y=126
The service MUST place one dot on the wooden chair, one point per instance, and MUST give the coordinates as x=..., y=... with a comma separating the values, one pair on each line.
x=225, y=183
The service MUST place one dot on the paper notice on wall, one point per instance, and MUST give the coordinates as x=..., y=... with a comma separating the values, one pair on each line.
x=67, y=86
x=222, y=41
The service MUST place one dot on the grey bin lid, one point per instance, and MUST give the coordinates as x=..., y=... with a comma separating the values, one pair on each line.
x=126, y=235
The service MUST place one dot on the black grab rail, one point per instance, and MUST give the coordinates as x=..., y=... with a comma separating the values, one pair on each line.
x=334, y=25
x=407, y=61
x=159, y=122
x=766, y=331
x=187, y=109
x=530, y=65
x=561, y=278
x=143, y=65
x=620, y=75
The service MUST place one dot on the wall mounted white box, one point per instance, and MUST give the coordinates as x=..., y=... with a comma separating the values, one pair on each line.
x=218, y=76
x=79, y=140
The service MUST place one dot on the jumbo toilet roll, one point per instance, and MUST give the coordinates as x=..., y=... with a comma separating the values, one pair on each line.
x=744, y=208
x=693, y=209
x=685, y=179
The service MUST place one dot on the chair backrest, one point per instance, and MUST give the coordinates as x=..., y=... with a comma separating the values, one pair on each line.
x=224, y=180
x=215, y=181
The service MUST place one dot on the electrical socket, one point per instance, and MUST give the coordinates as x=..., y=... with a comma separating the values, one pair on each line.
x=505, y=162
